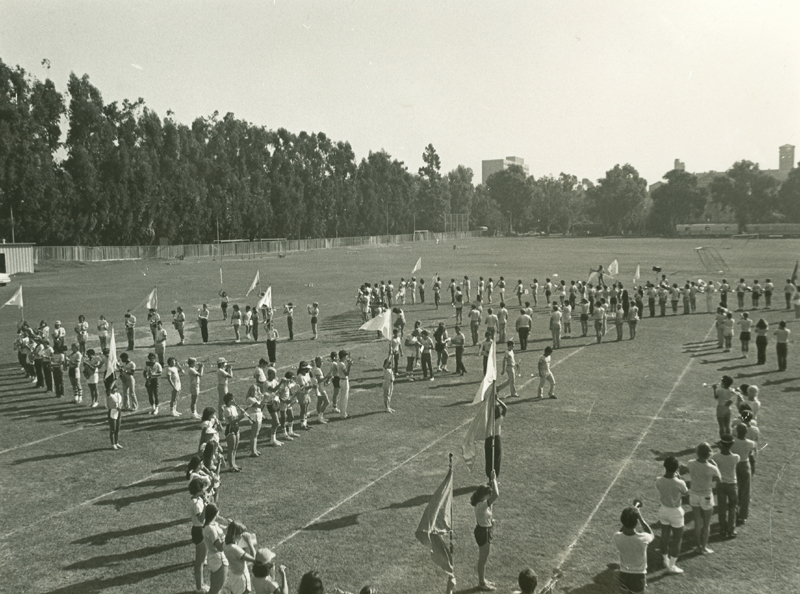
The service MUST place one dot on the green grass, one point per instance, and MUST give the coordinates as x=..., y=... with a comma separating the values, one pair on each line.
x=78, y=517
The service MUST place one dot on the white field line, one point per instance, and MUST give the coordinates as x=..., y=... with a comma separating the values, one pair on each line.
x=557, y=572
x=398, y=466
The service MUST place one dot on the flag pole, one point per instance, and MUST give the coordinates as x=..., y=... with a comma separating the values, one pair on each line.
x=452, y=548
x=493, y=405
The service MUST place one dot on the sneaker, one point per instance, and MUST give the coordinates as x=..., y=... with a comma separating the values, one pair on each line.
x=410, y=378
x=336, y=409
x=322, y=420
x=275, y=442
x=95, y=405
x=674, y=569
x=445, y=369
x=155, y=411
x=430, y=379
x=707, y=551
x=486, y=587
x=175, y=413
x=665, y=559
x=113, y=446
x=196, y=415
x=293, y=434
x=553, y=396
x=119, y=446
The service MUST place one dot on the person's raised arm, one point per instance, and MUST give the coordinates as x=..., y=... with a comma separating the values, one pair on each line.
x=495, y=489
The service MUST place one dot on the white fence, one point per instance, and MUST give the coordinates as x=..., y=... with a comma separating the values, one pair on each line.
x=227, y=249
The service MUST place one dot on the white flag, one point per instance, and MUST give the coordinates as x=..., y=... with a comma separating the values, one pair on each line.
x=381, y=323
x=482, y=426
x=638, y=274
x=266, y=299
x=254, y=284
x=15, y=300
x=489, y=377
x=152, y=299
x=592, y=278
x=613, y=268
x=418, y=265
x=112, y=355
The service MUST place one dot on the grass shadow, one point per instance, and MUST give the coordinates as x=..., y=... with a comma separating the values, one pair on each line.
x=112, y=560
x=57, y=456
x=122, y=502
x=101, y=584
x=104, y=538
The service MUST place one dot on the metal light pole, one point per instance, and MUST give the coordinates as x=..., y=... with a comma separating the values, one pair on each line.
x=13, y=239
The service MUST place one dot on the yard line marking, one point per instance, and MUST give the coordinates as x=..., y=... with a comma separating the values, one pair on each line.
x=582, y=530
x=393, y=469
x=30, y=443
x=84, y=503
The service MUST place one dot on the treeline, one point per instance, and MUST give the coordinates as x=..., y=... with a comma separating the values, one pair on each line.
x=122, y=175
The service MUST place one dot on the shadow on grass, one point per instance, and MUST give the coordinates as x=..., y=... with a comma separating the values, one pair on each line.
x=715, y=361
x=604, y=582
x=731, y=367
x=661, y=456
x=101, y=584
x=118, y=558
x=121, y=502
x=56, y=456
x=781, y=381
x=757, y=373
x=104, y=538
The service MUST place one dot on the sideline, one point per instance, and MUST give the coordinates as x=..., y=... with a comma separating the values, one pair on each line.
x=558, y=571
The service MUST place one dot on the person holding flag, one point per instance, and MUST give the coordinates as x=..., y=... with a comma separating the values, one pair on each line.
x=482, y=500
x=436, y=523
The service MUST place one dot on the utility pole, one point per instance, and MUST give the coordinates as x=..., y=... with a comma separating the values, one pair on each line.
x=13, y=239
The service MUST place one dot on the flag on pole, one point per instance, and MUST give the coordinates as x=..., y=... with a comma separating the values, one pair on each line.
x=152, y=299
x=592, y=278
x=482, y=426
x=220, y=275
x=16, y=299
x=418, y=265
x=794, y=278
x=254, y=284
x=112, y=355
x=488, y=378
x=638, y=274
x=436, y=523
x=381, y=323
x=613, y=268
x=266, y=299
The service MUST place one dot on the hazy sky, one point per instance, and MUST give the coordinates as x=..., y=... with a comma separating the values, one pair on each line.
x=574, y=86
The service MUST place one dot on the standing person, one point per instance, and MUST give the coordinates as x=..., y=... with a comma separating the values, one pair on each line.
x=412, y=354
x=782, y=344
x=727, y=492
x=757, y=290
x=632, y=548
x=566, y=313
x=724, y=397
x=272, y=343
x=769, y=288
x=58, y=365
x=459, y=305
x=230, y=420
x=127, y=369
x=179, y=323
x=174, y=379
x=91, y=367
x=214, y=539
x=724, y=289
x=388, y=384
x=59, y=335
x=247, y=321
x=114, y=406
x=671, y=488
x=492, y=445
x=741, y=288
x=584, y=316
x=195, y=371
x=599, y=317
x=239, y=549
x=345, y=364
x=197, y=507
x=318, y=380
x=236, y=322
x=633, y=320
x=288, y=309
x=486, y=349
x=74, y=362
x=82, y=333
x=441, y=338
x=254, y=408
x=489, y=290
x=273, y=403
x=502, y=322
x=519, y=291
x=224, y=305
x=703, y=473
x=224, y=374
x=130, y=329
x=395, y=350
x=254, y=321
x=510, y=367
x=546, y=374
x=523, y=325
x=746, y=449
x=481, y=288
x=161, y=342
x=501, y=288
x=789, y=289
x=425, y=347
x=762, y=327
x=727, y=332
x=492, y=321
x=474, y=322
x=102, y=332
x=152, y=373
x=412, y=290
x=422, y=290
x=467, y=284
x=305, y=386
x=482, y=500
x=314, y=313
x=555, y=326
x=202, y=319
x=399, y=321
x=745, y=323
x=437, y=289
x=458, y=342
x=153, y=319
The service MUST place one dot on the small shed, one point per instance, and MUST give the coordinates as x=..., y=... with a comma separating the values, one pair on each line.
x=16, y=257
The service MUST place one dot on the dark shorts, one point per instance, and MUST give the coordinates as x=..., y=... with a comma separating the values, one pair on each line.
x=744, y=336
x=584, y=317
x=483, y=535
x=632, y=582
x=197, y=534
x=336, y=380
x=313, y=319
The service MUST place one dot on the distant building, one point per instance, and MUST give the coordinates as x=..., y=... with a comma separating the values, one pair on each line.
x=680, y=165
x=786, y=158
x=496, y=165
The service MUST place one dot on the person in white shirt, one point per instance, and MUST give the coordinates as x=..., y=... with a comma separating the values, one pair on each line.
x=545, y=374
x=510, y=367
x=91, y=367
x=127, y=369
x=202, y=318
x=671, y=488
x=632, y=547
x=152, y=373
x=195, y=371
x=114, y=406
x=102, y=332
x=179, y=323
x=388, y=384
x=174, y=379
x=130, y=329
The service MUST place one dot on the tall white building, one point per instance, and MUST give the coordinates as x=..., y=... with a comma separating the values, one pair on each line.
x=496, y=165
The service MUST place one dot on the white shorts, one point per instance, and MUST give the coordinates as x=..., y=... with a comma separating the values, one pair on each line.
x=704, y=502
x=216, y=562
x=671, y=516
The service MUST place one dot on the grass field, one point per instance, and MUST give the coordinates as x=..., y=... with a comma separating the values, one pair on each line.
x=78, y=517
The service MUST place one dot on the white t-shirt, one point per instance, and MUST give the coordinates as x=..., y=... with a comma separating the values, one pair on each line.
x=633, y=551
x=174, y=378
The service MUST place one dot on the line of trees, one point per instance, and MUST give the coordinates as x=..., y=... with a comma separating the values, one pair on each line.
x=122, y=175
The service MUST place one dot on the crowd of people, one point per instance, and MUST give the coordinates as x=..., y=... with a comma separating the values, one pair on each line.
x=298, y=399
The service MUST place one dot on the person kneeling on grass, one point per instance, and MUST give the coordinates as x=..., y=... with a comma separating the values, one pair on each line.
x=632, y=547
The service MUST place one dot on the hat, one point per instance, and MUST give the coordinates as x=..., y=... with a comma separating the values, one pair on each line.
x=58, y=322
x=264, y=556
x=726, y=439
x=221, y=361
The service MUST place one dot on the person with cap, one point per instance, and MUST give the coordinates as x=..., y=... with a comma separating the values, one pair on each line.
x=202, y=319
x=130, y=329
x=127, y=369
x=268, y=577
x=152, y=373
x=59, y=335
x=671, y=488
x=224, y=374
x=703, y=473
x=632, y=547
x=727, y=492
x=288, y=309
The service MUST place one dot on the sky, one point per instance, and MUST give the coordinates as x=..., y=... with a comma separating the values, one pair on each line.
x=569, y=86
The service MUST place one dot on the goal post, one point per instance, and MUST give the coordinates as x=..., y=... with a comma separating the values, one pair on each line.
x=421, y=235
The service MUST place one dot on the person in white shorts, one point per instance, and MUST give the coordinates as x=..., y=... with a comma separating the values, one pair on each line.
x=703, y=472
x=671, y=488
